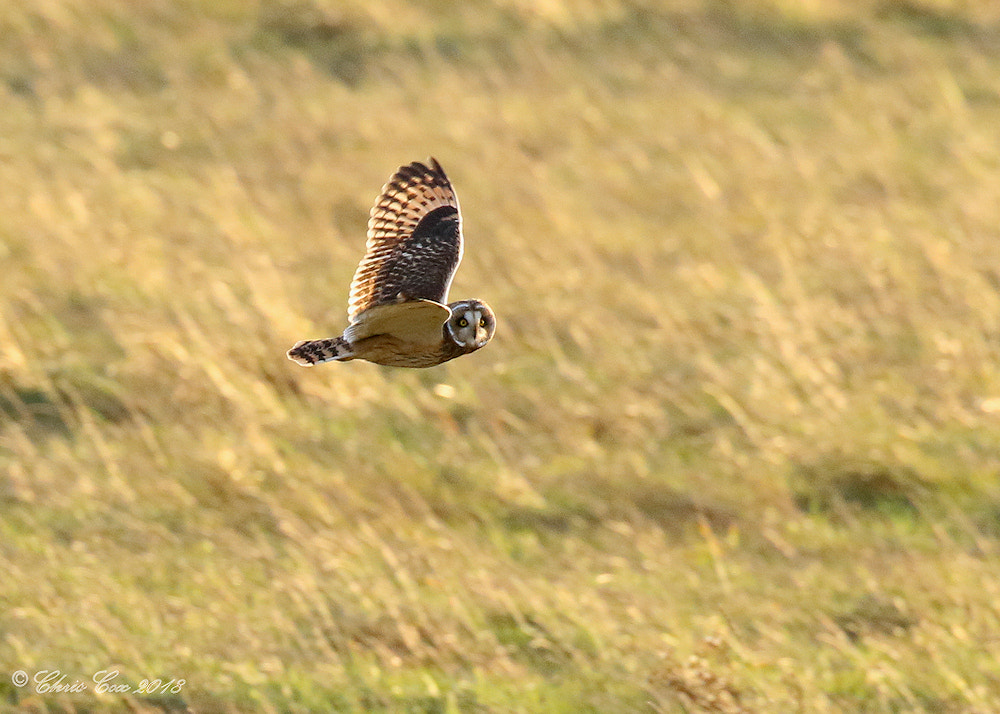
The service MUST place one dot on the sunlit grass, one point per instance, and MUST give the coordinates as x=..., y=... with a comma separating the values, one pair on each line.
x=734, y=447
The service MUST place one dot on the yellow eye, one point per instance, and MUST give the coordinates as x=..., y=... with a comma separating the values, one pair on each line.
x=482, y=322
x=463, y=322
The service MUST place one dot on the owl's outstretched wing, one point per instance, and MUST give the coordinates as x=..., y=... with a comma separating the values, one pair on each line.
x=414, y=241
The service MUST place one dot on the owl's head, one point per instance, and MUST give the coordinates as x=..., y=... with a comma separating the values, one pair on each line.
x=472, y=324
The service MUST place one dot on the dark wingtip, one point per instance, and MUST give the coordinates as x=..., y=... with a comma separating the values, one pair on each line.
x=435, y=166
x=416, y=168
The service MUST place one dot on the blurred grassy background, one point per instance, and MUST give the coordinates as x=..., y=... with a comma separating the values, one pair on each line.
x=733, y=449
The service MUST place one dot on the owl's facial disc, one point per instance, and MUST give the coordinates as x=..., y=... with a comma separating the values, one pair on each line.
x=471, y=324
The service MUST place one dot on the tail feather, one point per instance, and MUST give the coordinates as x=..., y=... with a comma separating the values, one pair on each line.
x=310, y=352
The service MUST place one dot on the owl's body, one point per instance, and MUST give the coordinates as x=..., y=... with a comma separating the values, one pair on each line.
x=404, y=347
x=396, y=307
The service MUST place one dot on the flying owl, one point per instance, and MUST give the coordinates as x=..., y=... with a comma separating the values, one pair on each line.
x=397, y=310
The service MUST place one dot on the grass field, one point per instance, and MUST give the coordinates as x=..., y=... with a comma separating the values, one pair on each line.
x=734, y=448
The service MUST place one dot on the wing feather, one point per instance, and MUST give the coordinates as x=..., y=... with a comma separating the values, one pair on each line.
x=417, y=321
x=414, y=241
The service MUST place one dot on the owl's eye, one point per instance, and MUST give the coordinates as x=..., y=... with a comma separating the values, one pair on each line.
x=482, y=322
x=463, y=322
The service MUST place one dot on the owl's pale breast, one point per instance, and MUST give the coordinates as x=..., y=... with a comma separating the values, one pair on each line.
x=393, y=352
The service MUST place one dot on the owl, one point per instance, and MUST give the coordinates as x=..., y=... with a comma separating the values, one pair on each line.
x=397, y=310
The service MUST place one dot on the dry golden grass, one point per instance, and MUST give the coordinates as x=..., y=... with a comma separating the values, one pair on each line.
x=733, y=449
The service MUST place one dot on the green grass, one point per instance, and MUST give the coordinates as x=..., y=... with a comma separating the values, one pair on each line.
x=734, y=447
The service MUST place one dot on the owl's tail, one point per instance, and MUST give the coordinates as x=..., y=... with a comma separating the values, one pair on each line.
x=310, y=352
